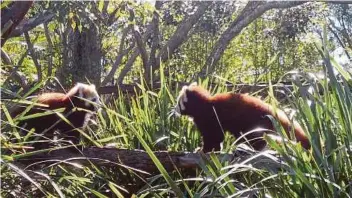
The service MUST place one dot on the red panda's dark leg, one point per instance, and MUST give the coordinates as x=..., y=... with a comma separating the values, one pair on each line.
x=212, y=140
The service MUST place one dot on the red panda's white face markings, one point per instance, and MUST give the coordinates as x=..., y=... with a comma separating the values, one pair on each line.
x=182, y=99
x=87, y=92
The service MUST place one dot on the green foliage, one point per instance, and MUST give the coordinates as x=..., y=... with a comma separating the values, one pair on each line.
x=144, y=120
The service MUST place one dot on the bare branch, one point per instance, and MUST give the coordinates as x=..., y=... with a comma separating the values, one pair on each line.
x=182, y=31
x=118, y=60
x=136, y=159
x=112, y=18
x=15, y=12
x=252, y=11
x=50, y=49
x=105, y=8
x=143, y=52
x=140, y=45
x=128, y=65
x=27, y=25
x=14, y=74
x=135, y=52
x=34, y=57
x=174, y=42
x=133, y=57
x=339, y=40
x=154, y=62
x=5, y=58
x=6, y=27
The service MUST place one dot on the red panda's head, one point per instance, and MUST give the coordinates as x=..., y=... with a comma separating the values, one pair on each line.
x=85, y=96
x=192, y=100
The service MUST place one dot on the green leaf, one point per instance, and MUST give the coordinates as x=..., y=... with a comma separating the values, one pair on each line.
x=100, y=5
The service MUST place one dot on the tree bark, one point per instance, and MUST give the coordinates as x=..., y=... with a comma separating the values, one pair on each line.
x=14, y=74
x=15, y=12
x=252, y=11
x=87, y=55
x=118, y=60
x=133, y=57
x=136, y=52
x=64, y=72
x=29, y=24
x=50, y=49
x=112, y=157
x=144, y=56
x=154, y=62
x=34, y=57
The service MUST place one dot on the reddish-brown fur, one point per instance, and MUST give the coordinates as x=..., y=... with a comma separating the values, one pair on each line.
x=237, y=113
x=51, y=102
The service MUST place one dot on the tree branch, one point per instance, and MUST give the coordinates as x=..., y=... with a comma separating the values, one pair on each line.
x=252, y=11
x=15, y=12
x=154, y=62
x=14, y=74
x=135, y=52
x=128, y=66
x=111, y=157
x=27, y=25
x=140, y=46
x=338, y=39
x=105, y=8
x=112, y=18
x=143, y=52
x=5, y=58
x=34, y=57
x=118, y=60
x=182, y=31
x=50, y=49
x=174, y=42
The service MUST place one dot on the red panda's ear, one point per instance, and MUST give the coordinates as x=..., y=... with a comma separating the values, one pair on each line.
x=193, y=84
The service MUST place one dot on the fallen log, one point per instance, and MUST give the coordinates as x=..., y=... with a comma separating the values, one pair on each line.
x=110, y=157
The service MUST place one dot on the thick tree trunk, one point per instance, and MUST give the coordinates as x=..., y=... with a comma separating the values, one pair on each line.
x=112, y=157
x=87, y=56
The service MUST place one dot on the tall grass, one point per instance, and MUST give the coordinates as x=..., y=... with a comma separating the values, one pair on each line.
x=143, y=121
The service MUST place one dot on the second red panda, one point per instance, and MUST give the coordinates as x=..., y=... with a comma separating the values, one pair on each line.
x=77, y=106
x=236, y=113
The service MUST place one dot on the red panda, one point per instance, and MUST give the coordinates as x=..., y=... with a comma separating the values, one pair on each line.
x=236, y=113
x=82, y=96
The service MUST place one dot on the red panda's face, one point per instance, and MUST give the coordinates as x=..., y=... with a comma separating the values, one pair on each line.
x=191, y=100
x=182, y=100
x=88, y=95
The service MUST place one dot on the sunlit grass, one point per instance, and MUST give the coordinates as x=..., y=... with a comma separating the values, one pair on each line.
x=144, y=121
